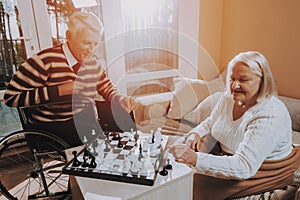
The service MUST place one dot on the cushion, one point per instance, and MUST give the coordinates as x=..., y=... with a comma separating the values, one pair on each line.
x=189, y=93
x=204, y=108
x=293, y=106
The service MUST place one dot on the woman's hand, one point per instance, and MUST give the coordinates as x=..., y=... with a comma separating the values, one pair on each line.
x=184, y=154
x=194, y=142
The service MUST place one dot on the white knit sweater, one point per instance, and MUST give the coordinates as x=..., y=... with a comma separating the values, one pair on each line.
x=263, y=133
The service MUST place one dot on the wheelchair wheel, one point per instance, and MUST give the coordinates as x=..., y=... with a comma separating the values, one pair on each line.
x=31, y=165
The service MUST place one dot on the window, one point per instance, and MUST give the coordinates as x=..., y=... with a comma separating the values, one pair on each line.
x=148, y=43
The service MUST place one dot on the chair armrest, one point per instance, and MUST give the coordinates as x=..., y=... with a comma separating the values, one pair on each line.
x=152, y=106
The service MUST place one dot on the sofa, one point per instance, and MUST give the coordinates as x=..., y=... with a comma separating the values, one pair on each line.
x=178, y=111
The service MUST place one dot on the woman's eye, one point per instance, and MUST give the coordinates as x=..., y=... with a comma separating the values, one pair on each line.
x=243, y=80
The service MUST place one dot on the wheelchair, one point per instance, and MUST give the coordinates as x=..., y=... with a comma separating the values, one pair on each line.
x=31, y=163
x=31, y=160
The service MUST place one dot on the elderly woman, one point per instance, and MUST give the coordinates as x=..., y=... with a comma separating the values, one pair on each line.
x=252, y=127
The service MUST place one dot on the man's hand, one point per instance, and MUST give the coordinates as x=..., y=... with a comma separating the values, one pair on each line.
x=127, y=103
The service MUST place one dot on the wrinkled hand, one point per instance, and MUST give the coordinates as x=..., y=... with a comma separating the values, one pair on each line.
x=195, y=142
x=184, y=154
x=127, y=103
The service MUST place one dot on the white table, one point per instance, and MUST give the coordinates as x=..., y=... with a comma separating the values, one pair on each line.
x=176, y=185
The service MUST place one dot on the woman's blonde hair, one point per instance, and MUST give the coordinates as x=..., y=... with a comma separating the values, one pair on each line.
x=260, y=66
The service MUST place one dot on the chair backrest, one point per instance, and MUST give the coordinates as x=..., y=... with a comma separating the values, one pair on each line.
x=26, y=113
x=110, y=116
x=113, y=118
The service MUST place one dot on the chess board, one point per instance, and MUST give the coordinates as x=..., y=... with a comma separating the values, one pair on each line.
x=121, y=157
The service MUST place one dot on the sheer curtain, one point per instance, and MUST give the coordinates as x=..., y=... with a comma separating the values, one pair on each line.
x=151, y=43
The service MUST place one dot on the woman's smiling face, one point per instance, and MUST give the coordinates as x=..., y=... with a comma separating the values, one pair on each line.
x=244, y=84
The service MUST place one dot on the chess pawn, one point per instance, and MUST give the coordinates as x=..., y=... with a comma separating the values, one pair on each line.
x=135, y=166
x=127, y=164
x=145, y=146
x=144, y=170
x=168, y=165
x=158, y=137
x=148, y=165
x=153, y=150
x=136, y=136
x=84, y=140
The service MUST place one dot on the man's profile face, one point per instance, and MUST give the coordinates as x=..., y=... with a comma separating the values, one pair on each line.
x=83, y=43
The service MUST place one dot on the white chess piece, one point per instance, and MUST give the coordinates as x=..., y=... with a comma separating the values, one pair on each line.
x=84, y=139
x=145, y=146
x=144, y=170
x=158, y=137
x=136, y=166
x=127, y=164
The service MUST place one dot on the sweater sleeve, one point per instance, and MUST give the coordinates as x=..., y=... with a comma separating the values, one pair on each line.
x=263, y=137
x=28, y=86
x=105, y=87
x=204, y=128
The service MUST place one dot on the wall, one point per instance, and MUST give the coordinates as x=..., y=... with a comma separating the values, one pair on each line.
x=271, y=27
x=210, y=29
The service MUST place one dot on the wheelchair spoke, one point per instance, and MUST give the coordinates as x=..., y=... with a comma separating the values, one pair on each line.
x=31, y=166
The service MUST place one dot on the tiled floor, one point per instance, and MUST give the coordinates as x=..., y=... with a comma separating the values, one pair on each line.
x=9, y=120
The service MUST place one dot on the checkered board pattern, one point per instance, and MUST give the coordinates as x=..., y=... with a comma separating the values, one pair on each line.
x=128, y=163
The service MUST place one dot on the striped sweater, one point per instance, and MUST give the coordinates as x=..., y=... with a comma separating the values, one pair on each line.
x=36, y=83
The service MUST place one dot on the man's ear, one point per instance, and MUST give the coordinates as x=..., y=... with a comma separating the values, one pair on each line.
x=68, y=35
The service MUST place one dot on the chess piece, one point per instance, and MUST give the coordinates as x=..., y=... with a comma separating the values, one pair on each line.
x=141, y=152
x=136, y=136
x=120, y=145
x=107, y=149
x=136, y=165
x=106, y=132
x=144, y=170
x=86, y=156
x=94, y=146
x=84, y=140
x=85, y=163
x=115, y=136
x=168, y=165
x=153, y=137
x=163, y=172
x=158, y=137
x=93, y=163
x=145, y=146
x=76, y=162
x=127, y=164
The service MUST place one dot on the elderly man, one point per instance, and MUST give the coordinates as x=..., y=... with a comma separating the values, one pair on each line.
x=71, y=70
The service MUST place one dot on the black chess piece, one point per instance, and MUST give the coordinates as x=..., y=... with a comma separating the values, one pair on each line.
x=115, y=136
x=136, y=136
x=94, y=146
x=168, y=165
x=119, y=145
x=107, y=149
x=93, y=163
x=164, y=172
x=76, y=162
x=153, y=138
x=86, y=156
x=141, y=153
x=106, y=132
x=85, y=163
